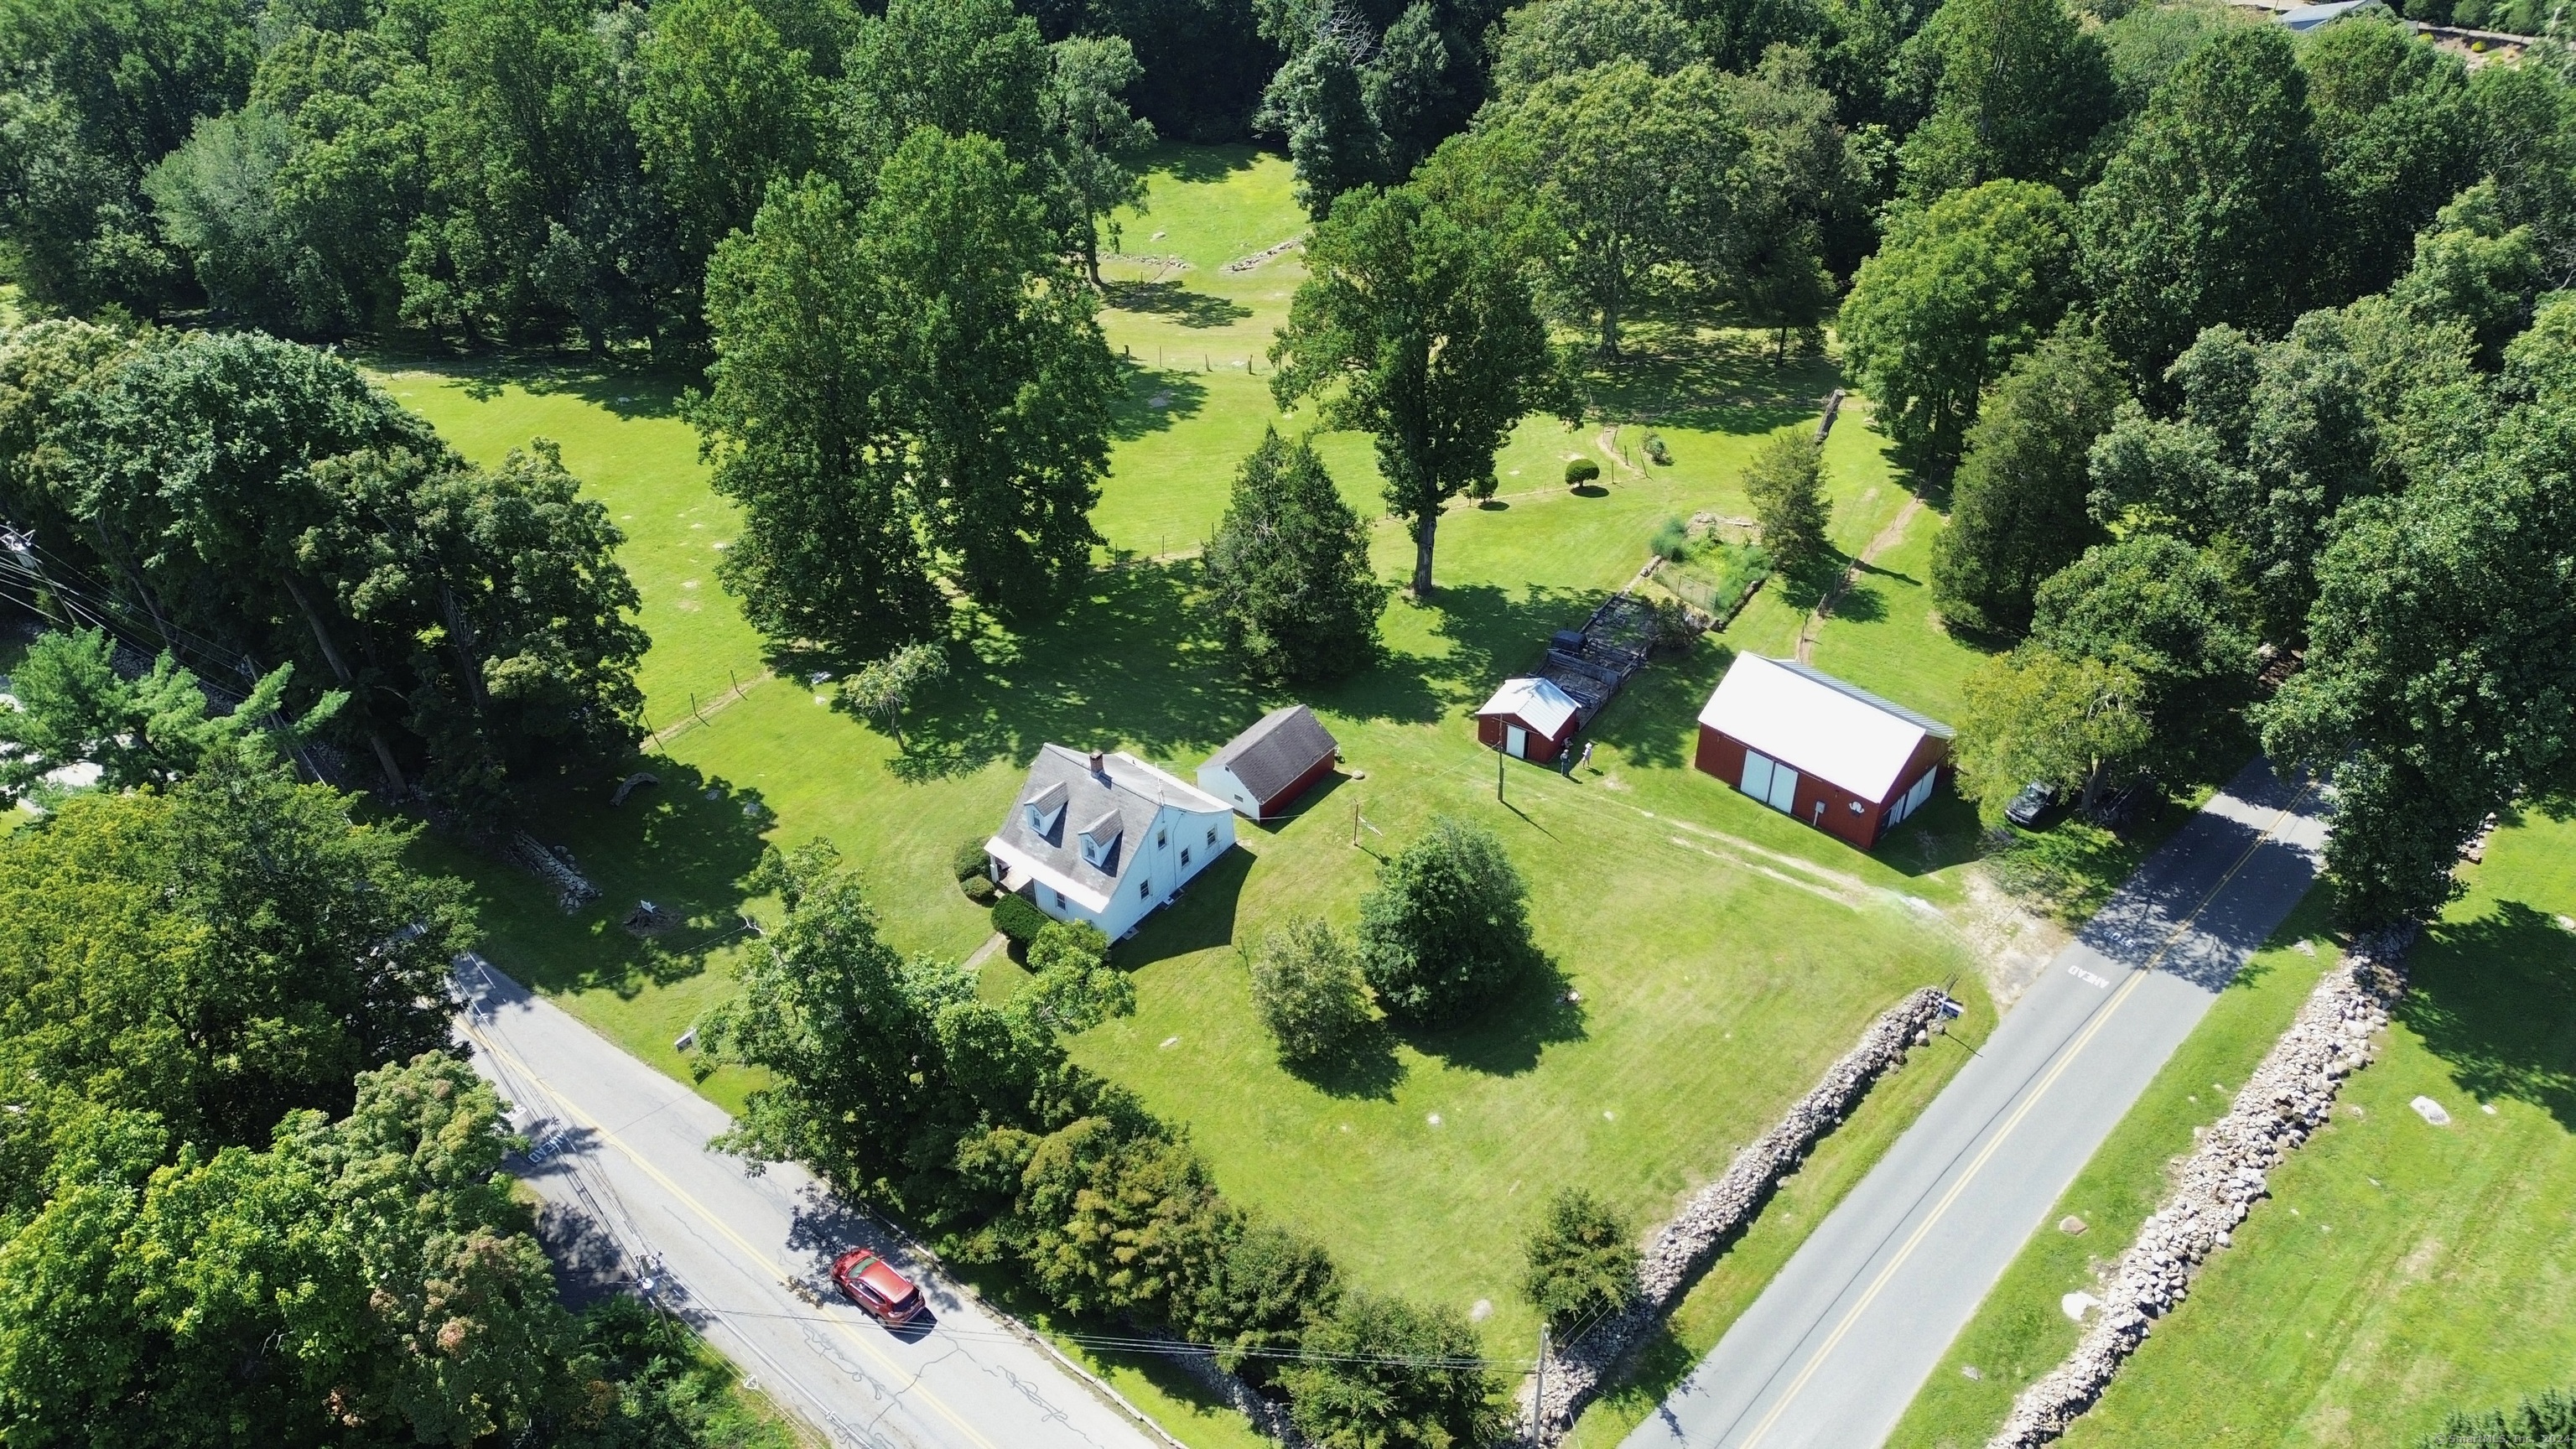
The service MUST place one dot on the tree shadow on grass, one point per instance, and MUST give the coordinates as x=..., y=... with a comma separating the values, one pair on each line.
x=1178, y=303
x=1506, y=1038
x=1131, y=662
x=2495, y=999
x=1154, y=399
x=684, y=845
x=1718, y=381
x=1184, y=161
x=628, y=385
x=1364, y=1067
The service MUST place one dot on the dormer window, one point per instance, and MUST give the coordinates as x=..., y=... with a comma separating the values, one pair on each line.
x=1045, y=809
x=1100, y=839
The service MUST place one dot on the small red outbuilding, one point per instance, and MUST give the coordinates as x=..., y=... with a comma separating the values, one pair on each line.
x=1808, y=745
x=1530, y=719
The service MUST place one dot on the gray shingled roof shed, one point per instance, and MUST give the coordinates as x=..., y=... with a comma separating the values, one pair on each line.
x=1264, y=769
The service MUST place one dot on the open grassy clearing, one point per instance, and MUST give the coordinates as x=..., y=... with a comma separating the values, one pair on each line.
x=1718, y=954
x=2400, y=1270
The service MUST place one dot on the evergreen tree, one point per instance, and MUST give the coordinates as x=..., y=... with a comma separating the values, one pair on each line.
x=1582, y=1260
x=1785, y=481
x=1289, y=568
x=1387, y=1374
x=2019, y=511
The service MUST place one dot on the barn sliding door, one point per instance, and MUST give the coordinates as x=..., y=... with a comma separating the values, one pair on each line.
x=1769, y=781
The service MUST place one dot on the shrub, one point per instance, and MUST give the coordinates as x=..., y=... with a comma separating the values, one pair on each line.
x=979, y=889
x=1270, y=1284
x=1014, y=916
x=1671, y=542
x=970, y=859
x=1389, y=1373
x=1581, y=470
x=1582, y=1260
x=1120, y=1222
x=1447, y=926
x=1077, y=988
x=2537, y=1423
x=1309, y=990
x=1655, y=450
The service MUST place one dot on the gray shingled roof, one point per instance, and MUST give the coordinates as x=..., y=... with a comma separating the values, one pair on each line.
x=1270, y=756
x=1128, y=796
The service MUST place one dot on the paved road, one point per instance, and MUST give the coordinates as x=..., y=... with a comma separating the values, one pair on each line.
x=1835, y=1348
x=633, y=1195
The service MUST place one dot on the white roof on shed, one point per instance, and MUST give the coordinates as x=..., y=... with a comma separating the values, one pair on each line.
x=1537, y=703
x=1817, y=724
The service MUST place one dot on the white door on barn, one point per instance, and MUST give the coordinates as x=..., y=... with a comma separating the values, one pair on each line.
x=1784, y=789
x=1516, y=740
x=1757, y=774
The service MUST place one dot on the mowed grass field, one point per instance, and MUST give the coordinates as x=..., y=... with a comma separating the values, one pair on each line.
x=2400, y=1270
x=1707, y=957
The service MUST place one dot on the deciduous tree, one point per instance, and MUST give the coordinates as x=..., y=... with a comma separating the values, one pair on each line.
x=2207, y=213
x=1958, y=291
x=2035, y=715
x=2023, y=87
x=1388, y=1374
x=1416, y=329
x=1447, y=927
x=1309, y=989
x=1095, y=140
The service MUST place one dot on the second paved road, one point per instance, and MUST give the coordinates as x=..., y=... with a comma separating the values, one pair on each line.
x=626, y=1163
x=1835, y=1348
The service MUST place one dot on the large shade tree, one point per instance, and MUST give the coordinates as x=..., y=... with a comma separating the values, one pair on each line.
x=2023, y=86
x=912, y=387
x=1420, y=331
x=2208, y=212
x=1958, y=291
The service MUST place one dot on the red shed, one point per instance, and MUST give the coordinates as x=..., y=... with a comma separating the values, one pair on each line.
x=1531, y=719
x=1808, y=745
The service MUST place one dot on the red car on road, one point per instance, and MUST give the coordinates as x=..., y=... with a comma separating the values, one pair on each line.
x=874, y=1285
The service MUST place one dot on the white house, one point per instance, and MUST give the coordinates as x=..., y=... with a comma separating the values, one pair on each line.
x=1105, y=838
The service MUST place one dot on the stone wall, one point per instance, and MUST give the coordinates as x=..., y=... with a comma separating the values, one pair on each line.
x=1720, y=1212
x=2285, y=1100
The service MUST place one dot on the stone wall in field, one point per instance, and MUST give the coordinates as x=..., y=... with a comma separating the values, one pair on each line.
x=2285, y=1101
x=1719, y=1213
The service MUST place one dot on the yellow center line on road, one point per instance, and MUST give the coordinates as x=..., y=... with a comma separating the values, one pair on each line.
x=720, y=1225
x=2066, y=1058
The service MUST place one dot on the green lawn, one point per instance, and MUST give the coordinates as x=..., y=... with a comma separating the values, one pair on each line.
x=1708, y=956
x=2399, y=1270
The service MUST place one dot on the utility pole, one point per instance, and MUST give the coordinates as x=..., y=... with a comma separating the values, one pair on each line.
x=1538, y=1394
x=1498, y=769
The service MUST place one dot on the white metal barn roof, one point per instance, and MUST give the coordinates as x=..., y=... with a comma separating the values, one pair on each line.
x=1537, y=703
x=1818, y=724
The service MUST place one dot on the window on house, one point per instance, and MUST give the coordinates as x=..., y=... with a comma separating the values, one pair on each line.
x=1059, y=899
x=1211, y=837
x=1144, y=890
x=1185, y=855
x=1161, y=839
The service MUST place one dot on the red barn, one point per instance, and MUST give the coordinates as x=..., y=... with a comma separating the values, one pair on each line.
x=1531, y=719
x=1808, y=745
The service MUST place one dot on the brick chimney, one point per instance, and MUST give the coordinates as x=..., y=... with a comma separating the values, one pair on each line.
x=1097, y=769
